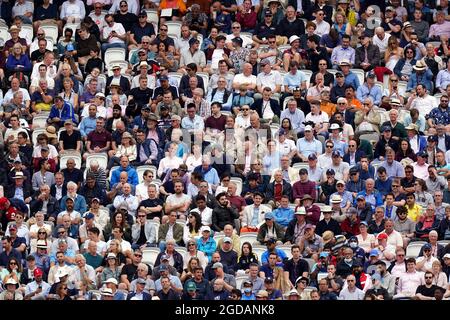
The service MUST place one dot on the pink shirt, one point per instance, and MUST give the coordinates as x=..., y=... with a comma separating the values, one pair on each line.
x=440, y=29
x=409, y=281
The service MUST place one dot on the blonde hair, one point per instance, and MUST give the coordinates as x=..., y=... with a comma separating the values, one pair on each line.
x=280, y=282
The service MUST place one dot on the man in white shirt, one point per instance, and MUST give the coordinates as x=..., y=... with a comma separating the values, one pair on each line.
x=127, y=200
x=268, y=78
x=422, y=101
x=72, y=11
x=113, y=34
x=380, y=39
x=179, y=201
x=98, y=16
x=246, y=77
x=133, y=6
x=322, y=27
x=49, y=61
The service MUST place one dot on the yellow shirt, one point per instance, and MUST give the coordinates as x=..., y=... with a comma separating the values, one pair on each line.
x=414, y=212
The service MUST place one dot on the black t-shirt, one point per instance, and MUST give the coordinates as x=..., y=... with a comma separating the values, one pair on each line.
x=262, y=30
x=159, y=91
x=127, y=20
x=130, y=270
x=152, y=203
x=139, y=31
x=407, y=183
x=427, y=292
x=141, y=97
x=296, y=269
x=38, y=56
x=70, y=141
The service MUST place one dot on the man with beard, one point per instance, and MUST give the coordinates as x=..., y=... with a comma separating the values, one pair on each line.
x=439, y=115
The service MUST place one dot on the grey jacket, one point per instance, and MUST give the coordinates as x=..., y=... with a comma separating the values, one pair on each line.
x=149, y=229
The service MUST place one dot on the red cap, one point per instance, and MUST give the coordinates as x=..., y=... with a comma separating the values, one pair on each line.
x=382, y=236
x=3, y=201
x=37, y=272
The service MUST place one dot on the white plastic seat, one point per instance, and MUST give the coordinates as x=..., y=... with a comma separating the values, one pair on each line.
x=123, y=68
x=51, y=31
x=360, y=74
x=73, y=27
x=111, y=171
x=176, y=76
x=239, y=184
x=413, y=249
x=402, y=85
x=332, y=71
x=63, y=161
x=152, y=16
x=149, y=255
x=101, y=158
x=258, y=250
x=156, y=225
x=39, y=121
x=141, y=169
x=28, y=29
x=380, y=85
x=218, y=236
x=308, y=74
x=444, y=242
x=248, y=237
x=35, y=134
x=114, y=54
x=4, y=34
x=174, y=28
x=311, y=263
x=240, y=280
x=300, y=165
x=205, y=78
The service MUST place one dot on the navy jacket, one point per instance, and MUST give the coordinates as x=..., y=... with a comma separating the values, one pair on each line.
x=258, y=107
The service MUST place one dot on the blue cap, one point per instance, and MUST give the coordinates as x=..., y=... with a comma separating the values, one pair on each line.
x=163, y=77
x=268, y=216
x=386, y=128
x=374, y=253
x=331, y=172
x=88, y=215
x=323, y=254
x=426, y=246
x=376, y=276
x=70, y=47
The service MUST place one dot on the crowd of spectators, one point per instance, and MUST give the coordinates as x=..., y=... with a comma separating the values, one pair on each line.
x=224, y=150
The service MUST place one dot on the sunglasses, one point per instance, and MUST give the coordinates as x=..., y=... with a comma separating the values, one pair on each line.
x=236, y=27
x=163, y=29
x=42, y=232
x=61, y=232
x=428, y=277
x=138, y=255
x=329, y=146
x=272, y=42
x=123, y=5
x=339, y=76
x=142, y=216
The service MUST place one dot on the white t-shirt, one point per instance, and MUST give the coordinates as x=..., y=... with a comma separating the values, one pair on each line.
x=216, y=57
x=240, y=78
x=118, y=27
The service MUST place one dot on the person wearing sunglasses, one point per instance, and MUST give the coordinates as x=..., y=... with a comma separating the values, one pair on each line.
x=72, y=11
x=114, y=34
x=426, y=291
x=322, y=26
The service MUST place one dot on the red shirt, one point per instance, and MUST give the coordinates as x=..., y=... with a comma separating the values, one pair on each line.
x=99, y=139
x=278, y=191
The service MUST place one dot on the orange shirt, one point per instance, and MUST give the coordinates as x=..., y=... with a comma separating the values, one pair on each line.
x=355, y=103
x=328, y=107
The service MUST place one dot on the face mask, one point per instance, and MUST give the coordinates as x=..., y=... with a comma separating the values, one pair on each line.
x=248, y=290
x=348, y=261
x=353, y=245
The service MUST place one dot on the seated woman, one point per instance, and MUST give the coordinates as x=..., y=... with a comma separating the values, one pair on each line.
x=17, y=61
x=164, y=56
x=69, y=95
x=126, y=148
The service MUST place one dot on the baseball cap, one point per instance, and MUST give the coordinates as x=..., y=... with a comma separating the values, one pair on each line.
x=267, y=12
x=191, y=286
x=374, y=253
x=371, y=75
x=227, y=239
x=330, y=172
x=340, y=182
x=376, y=276
x=268, y=216
x=360, y=197
x=142, y=14
x=217, y=265
x=386, y=128
x=301, y=211
x=163, y=267
x=432, y=139
x=111, y=255
x=37, y=272
x=163, y=77
x=112, y=280
x=382, y=236
x=446, y=256
x=335, y=153
x=422, y=154
x=264, y=62
x=271, y=240
x=142, y=281
x=308, y=128
x=427, y=246
x=237, y=40
x=164, y=257
x=364, y=223
x=312, y=156
x=268, y=280
x=88, y=215
x=205, y=228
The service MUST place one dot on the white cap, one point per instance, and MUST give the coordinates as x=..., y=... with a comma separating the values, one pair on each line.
x=205, y=228
x=308, y=128
x=107, y=292
x=446, y=256
x=112, y=280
